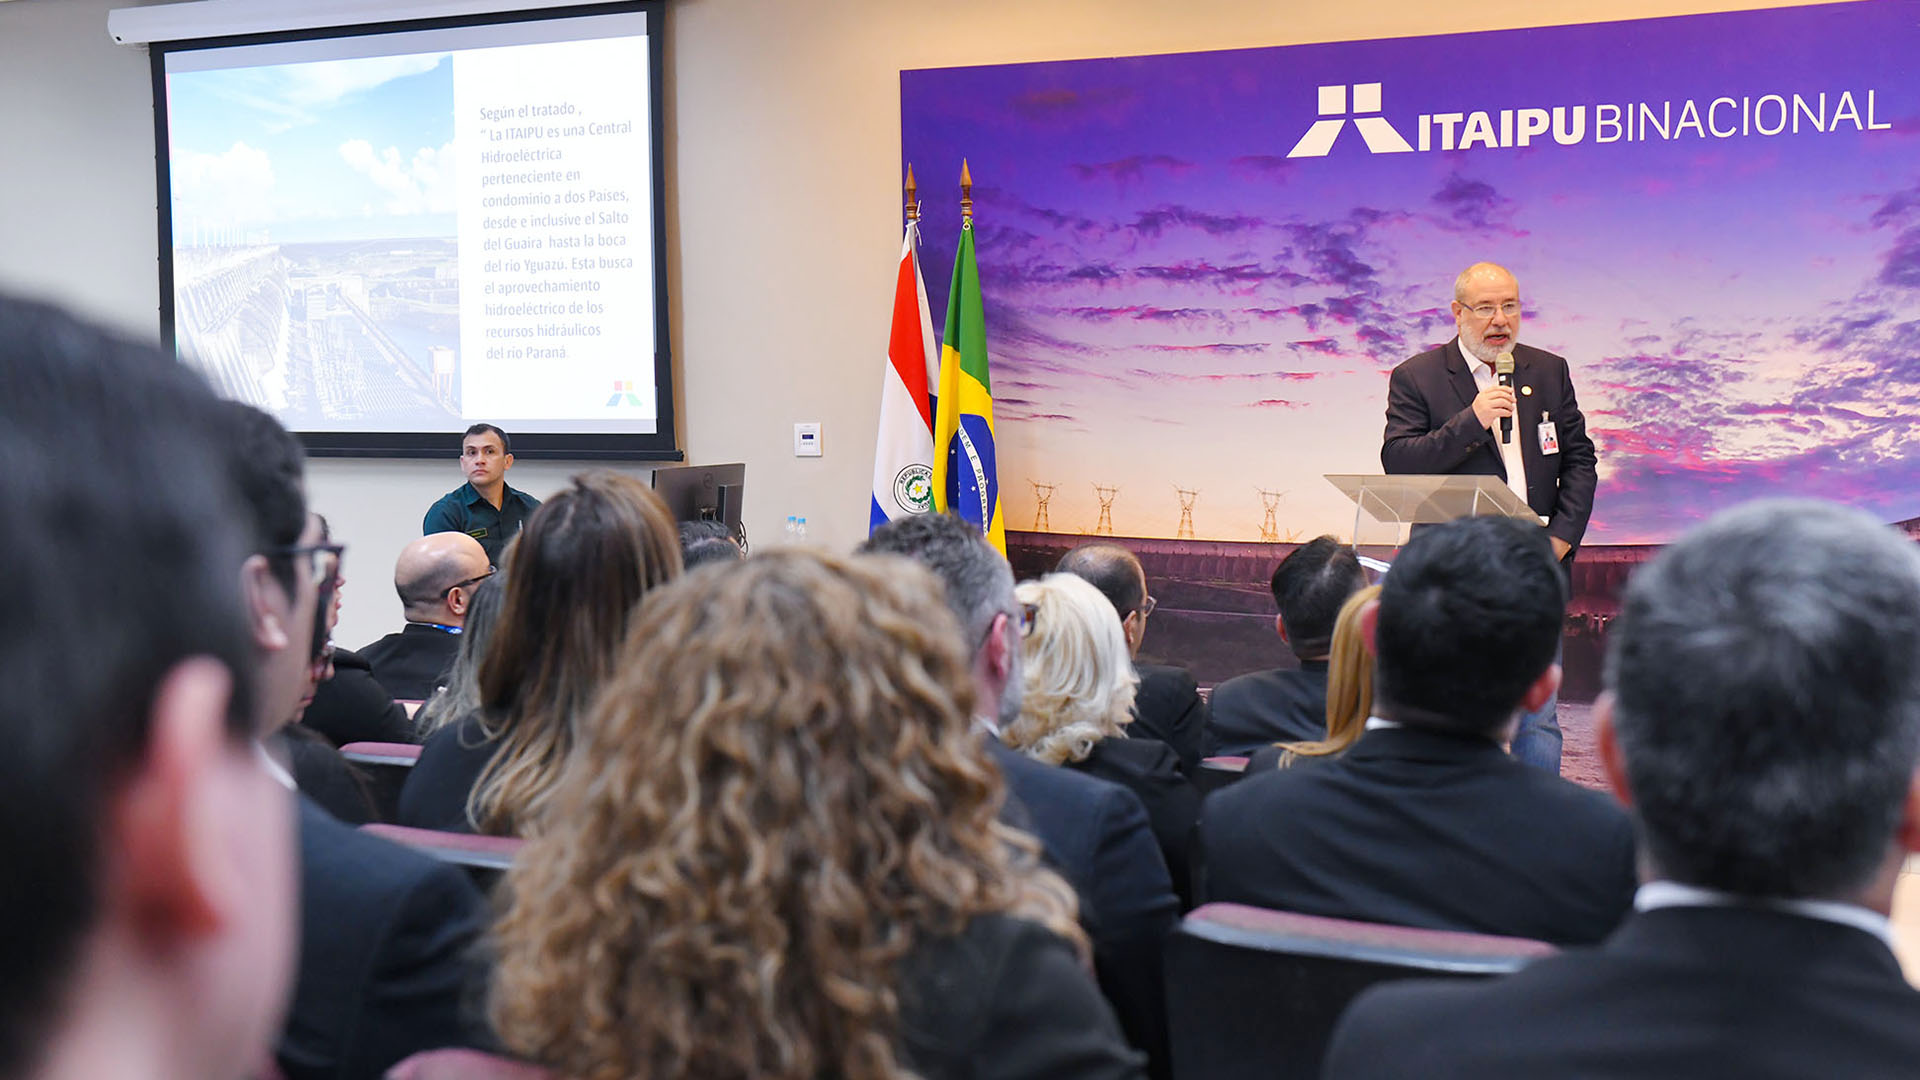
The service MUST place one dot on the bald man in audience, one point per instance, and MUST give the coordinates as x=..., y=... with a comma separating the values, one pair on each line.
x=1761, y=720
x=435, y=577
x=1167, y=705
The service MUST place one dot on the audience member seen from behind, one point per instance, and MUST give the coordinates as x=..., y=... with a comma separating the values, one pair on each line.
x=387, y=962
x=586, y=558
x=1427, y=821
x=148, y=891
x=1349, y=693
x=1762, y=719
x=484, y=507
x=1094, y=832
x=1076, y=703
x=461, y=695
x=1167, y=705
x=434, y=577
x=702, y=542
x=1289, y=704
x=803, y=876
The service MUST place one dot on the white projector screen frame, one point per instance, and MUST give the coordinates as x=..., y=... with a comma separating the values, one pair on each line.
x=375, y=315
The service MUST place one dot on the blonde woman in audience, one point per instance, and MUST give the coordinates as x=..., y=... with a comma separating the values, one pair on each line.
x=1078, y=685
x=581, y=565
x=777, y=855
x=1349, y=694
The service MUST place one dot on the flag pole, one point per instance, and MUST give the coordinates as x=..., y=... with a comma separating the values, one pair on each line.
x=966, y=196
x=913, y=204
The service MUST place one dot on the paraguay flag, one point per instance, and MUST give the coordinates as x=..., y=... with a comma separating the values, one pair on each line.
x=903, y=454
x=965, y=479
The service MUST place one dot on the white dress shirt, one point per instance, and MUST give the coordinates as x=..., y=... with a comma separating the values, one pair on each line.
x=1483, y=377
x=1668, y=894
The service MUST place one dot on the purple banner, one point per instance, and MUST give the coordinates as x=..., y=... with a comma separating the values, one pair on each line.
x=1199, y=268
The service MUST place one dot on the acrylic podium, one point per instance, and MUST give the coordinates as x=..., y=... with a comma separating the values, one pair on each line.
x=1399, y=502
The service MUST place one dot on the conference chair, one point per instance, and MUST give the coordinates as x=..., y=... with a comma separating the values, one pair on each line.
x=464, y=1065
x=485, y=858
x=1253, y=993
x=1217, y=772
x=386, y=766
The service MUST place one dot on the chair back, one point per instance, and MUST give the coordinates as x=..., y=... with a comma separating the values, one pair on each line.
x=385, y=765
x=1215, y=773
x=464, y=1065
x=1255, y=993
x=485, y=858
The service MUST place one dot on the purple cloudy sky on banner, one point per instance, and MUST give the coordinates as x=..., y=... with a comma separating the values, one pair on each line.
x=1172, y=301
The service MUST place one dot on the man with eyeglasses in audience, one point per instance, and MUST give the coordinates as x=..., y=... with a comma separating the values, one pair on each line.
x=1761, y=720
x=435, y=577
x=388, y=965
x=1447, y=412
x=1167, y=706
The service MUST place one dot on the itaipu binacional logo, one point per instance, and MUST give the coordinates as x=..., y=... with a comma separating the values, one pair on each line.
x=623, y=394
x=1823, y=112
x=913, y=488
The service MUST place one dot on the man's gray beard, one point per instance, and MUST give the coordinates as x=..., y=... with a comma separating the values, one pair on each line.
x=1481, y=351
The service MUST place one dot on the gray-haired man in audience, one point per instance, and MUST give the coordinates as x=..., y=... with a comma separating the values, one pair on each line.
x=1762, y=718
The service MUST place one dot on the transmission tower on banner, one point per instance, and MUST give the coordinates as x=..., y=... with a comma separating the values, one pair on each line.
x=1105, y=494
x=1269, y=528
x=1041, y=494
x=1187, y=498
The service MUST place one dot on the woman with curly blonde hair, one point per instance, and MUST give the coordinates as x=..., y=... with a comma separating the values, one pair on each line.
x=577, y=572
x=1078, y=684
x=776, y=854
x=1349, y=694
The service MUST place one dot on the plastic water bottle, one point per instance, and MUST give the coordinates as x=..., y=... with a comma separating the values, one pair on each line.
x=793, y=529
x=800, y=534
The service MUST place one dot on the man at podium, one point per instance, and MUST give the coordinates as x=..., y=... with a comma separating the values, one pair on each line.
x=1484, y=404
x=1447, y=411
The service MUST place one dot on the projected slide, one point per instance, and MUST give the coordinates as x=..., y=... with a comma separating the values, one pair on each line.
x=411, y=232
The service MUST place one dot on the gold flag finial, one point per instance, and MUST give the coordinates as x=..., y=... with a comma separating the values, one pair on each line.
x=913, y=204
x=966, y=193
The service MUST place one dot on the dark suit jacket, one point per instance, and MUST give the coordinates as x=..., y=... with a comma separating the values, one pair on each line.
x=387, y=956
x=1420, y=828
x=1007, y=999
x=353, y=706
x=1431, y=429
x=1265, y=707
x=451, y=761
x=1167, y=707
x=1677, y=992
x=1150, y=769
x=1096, y=834
x=412, y=663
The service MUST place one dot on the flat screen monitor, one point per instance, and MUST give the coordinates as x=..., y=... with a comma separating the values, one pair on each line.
x=704, y=493
x=384, y=233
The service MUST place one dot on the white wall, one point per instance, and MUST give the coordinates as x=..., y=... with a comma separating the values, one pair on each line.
x=782, y=209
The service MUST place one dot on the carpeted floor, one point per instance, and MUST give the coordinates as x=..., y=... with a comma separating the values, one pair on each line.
x=1578, y=761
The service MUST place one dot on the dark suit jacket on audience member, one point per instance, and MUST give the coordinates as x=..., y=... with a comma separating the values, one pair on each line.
x=451, y=761
x=413, y=662
x=387, y=960
x=1150, y=769
x=326, y=777
x=1265, y=707
x=1096, y=834
x=1677, y=993
x=1419, y=828
x=1167, y=707
x=353, y=706
x=1007, y=999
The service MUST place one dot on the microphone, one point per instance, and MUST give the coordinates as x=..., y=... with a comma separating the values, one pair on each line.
x=1503, y=374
